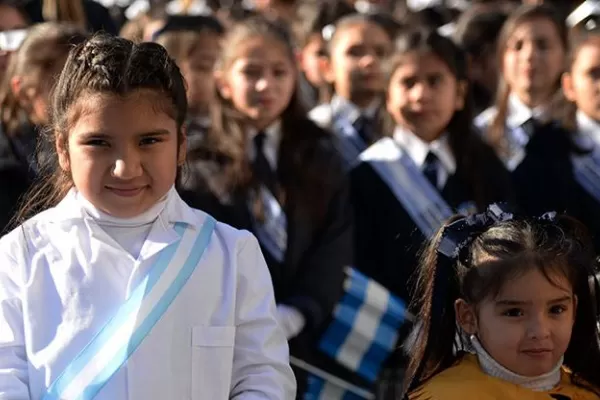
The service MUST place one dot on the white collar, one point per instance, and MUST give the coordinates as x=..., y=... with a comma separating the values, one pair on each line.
x=272, y=141
x=417, y=149
x=518, y=113
x=173, y=210
x=493, y=368
x=351, y=111
x=588, y=128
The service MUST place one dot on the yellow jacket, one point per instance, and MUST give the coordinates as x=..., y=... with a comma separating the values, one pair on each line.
x=466, y=381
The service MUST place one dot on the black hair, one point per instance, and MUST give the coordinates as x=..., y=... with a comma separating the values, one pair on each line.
x=525, y=13
x=227, y=138
x=489, y=252
x=102, y=64
x=190, y=23
x=471, y=154
x=312, y=16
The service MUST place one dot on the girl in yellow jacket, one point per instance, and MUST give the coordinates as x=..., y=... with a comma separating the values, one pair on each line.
x=507, y=311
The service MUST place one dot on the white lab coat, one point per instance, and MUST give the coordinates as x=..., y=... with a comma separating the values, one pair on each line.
x=62, y=277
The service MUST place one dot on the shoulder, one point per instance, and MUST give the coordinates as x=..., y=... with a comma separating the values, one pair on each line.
x=484, y=119
x=463, y=381
x=322, y=115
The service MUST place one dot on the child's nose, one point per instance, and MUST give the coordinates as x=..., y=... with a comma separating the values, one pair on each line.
x=127, y=166
x=539, y=328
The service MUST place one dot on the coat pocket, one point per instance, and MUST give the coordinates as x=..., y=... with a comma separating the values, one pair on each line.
x=212, y=361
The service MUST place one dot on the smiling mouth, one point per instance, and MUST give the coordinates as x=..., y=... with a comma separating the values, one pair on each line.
x=126, y=192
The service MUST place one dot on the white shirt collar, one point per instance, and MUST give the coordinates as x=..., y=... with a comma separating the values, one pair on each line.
x=351, y=111
x=518, y=113
x=175, y=210
x=417, y=149
x=271, y=146
x=588, y=128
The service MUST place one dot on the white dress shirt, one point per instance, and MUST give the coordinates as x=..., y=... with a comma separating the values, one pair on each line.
x=418, y=149
x=324, y=114
x=588, y=129
x=63, y=276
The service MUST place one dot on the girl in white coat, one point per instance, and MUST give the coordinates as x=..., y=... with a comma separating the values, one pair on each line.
x=118, y=290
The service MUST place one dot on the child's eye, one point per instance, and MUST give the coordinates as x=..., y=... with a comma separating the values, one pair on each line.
x=96, y=143
x=513, y=312
x=252, y=72
x=594, y=73
x=409, y=82
x=149, y=141
x=280, y=73
x=542, y=44
x=518, y=45
x=434, y=80
x=558, y=309
x=356, y=51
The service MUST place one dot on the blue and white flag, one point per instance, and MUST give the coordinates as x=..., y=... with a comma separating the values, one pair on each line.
x=364, y=330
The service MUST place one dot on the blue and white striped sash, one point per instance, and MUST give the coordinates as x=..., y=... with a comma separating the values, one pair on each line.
x=272, y=232
x=421, y=200
x=587, y=172
x=119, y=338
x=348, y=142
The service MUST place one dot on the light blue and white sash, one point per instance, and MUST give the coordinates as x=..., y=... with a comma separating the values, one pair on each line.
x=586, y=169
x=422, y=201
x=272, y=232
x=119, y=338
x=364, y=330
x=348, y=142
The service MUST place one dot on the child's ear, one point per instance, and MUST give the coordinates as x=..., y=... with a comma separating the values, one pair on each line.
x=461, y=95
x=222, y=85
x=16, y=84
x=465, y=316
x=567, y=86
x=63, y=153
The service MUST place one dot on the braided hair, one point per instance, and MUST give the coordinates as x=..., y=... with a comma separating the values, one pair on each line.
x=108, y=65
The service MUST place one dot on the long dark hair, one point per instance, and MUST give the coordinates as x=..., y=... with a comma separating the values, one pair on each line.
x=41, y=53
x=465, y=143
x=103, y=64
x=298, y=174
x=556, y=246
x=525, y=13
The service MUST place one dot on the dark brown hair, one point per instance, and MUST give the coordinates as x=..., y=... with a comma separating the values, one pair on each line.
x=558, y=247
x=523, y=14
x=227, y=136
x=41, y=54
x=110, y=65
x=466, y=145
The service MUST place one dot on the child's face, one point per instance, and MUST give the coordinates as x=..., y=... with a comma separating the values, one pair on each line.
x=423, y=95
x=355, y=62
x=122, y=153
x=582, y=84
x=527, y=327
x=533, y=61
x=312, y=54
x=198, y=73
x=261, y=81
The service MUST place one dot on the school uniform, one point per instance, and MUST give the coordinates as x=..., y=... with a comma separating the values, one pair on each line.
x=354, y=129
x=539, y=158
x=467, y=381
x=68, y=274
x=306, y=261
x=586, y=170
x=18, y=169
x=402, y=191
